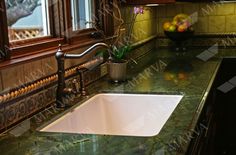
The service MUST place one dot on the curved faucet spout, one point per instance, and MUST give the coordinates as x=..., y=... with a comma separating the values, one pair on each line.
x=61, y=56
x=76, y=56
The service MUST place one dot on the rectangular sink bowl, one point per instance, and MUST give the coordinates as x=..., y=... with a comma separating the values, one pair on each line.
x=118, y=114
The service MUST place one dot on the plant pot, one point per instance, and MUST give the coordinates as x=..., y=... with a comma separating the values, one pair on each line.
x=117, y=71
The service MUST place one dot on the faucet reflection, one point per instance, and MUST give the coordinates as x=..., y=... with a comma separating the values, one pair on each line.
x=62, y=91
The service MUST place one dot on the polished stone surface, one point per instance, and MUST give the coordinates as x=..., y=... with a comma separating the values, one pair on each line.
x=161, y=72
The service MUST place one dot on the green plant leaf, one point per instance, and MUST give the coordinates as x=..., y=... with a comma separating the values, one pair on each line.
x=120, y=53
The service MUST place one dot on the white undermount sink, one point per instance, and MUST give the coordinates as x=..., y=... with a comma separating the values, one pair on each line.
x=118, y=114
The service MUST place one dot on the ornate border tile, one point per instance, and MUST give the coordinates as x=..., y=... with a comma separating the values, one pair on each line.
x=2, y=118
x=15, y=112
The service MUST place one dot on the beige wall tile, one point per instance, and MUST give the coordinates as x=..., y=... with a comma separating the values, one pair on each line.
x=147, y=14
x=145, y=29
x=142, y=29
x=33, y=71
x=140, y=17
x=54, y=63
x=190, y=8
x=161, y=11
x=225, y=9
x=74, y=62
x=207, y=9
x=144, y=24
x=137, y=35
x=68, y=63
x=216, y=24
x=49, y=65
x=202, y=25
x=231, y=23
x=173, y=10
x=13, y=77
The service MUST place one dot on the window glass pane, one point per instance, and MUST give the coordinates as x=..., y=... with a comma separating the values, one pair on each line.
x=27, y=19
x=82, y=13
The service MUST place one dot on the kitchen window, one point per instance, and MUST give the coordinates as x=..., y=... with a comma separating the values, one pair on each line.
x=31, y=27
x=83, y=17
x=82, y=12
x=28, y=27
x=27, y=20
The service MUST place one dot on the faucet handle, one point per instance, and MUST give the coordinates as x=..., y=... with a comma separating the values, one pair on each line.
x=75, y=86
x=82, y=81
x=69, y=91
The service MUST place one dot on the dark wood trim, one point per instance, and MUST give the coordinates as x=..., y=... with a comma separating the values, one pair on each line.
x=4, y=43
x=68, y=20
x=25, y=42
x=52, y=21
x=81, y=35
x=57, y=18
x=39, y=47
x=108, y=17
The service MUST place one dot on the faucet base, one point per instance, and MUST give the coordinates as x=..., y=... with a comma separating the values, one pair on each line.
x=83, y=92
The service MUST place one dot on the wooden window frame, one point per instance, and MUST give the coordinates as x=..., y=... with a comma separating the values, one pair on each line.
x=4, y=44
x=80, y=36
x=44, y=46
x=27, y=47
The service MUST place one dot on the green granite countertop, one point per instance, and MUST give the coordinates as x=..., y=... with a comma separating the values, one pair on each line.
x=160, y=71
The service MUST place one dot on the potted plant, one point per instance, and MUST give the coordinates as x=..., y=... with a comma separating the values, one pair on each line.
x=117, y=65
x=120, y=47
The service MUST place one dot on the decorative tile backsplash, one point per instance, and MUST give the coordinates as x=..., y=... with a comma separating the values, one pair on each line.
x=144, y=25
x=2, y=116
x=19, y=107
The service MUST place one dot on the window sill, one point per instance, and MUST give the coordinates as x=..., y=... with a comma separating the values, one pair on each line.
x=21, y=58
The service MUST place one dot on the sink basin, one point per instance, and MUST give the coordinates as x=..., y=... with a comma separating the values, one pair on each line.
x=118, y=114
